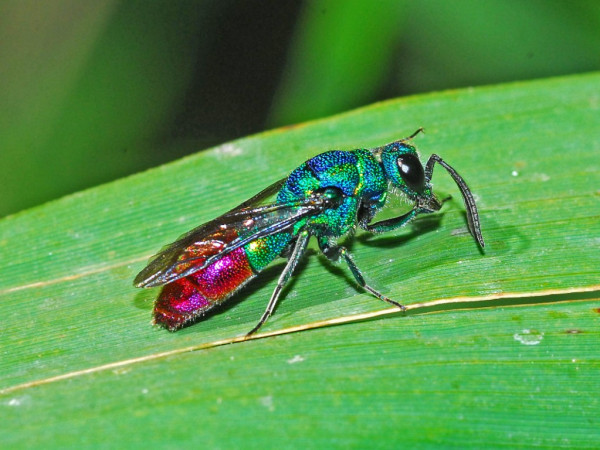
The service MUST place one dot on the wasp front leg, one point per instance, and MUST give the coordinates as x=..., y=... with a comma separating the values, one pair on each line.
x=336, y=252
x=391, y=224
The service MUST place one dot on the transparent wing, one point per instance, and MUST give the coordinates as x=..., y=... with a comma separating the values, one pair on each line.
x=211, y=241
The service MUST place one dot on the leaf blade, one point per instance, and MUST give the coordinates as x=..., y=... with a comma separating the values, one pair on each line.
x=527, y=150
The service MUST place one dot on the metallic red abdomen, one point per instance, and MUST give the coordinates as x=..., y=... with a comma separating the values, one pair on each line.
x=190, y=297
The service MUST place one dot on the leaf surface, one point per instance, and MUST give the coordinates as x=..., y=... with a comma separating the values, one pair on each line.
x=517, y=367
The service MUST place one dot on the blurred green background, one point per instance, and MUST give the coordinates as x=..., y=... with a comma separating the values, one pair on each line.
x=95, y=90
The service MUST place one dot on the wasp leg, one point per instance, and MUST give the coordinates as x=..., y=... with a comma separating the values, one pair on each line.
x=392, y=224
x=337, y=252
x=293, y=259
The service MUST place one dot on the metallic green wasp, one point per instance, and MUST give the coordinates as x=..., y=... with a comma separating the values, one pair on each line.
x=326, y=197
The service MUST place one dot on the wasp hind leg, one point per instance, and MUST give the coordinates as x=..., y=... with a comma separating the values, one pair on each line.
x=297, y=252
x=334, y=253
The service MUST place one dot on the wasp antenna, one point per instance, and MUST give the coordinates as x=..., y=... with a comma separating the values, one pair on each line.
x=378, y=150
x=472, y=214
x=419, y=130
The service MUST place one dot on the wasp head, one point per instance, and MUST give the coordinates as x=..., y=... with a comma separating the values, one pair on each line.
x=404, y=170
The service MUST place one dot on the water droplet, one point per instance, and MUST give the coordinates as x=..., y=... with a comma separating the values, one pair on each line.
x=540, y=177
x=295, y=359
x=229, y=150
x=267, y=402
x=529, y=337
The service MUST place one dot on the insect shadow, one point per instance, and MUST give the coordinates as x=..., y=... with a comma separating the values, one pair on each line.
x=419, y=226
x=145, y=299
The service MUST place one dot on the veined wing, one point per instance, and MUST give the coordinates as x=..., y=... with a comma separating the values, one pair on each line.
x=206, y=244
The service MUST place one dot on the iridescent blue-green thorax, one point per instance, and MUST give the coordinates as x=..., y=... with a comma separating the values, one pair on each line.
x=357, y=174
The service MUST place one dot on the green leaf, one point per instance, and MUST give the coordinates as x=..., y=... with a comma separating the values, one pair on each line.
x=510, y=357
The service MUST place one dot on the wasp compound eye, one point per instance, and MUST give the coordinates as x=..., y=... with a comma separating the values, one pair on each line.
x=411, y=171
